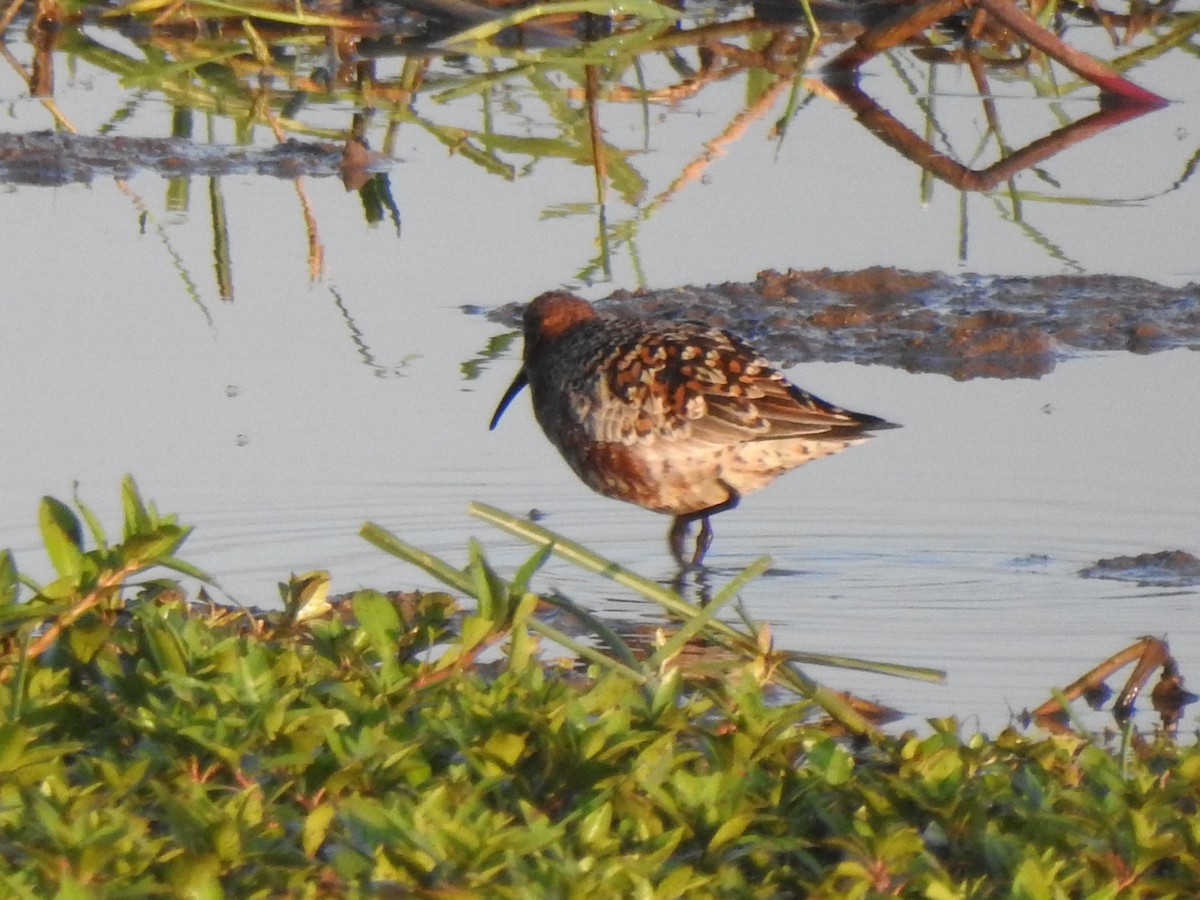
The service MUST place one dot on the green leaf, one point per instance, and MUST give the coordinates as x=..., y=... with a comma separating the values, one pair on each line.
x=377, y=617
x=490, y=590
x=137, y=518
x=474, y=631
x=165, y=646
x=595, y=826
x=85, y=638
x=666, y=693
x=833, y=761
x=9, y=583
x=381, y=624
x=1032, y=880
x=305, y=596
x=16, y=613
x=505, y=746
x=150, y=547
x=731, y=829
x=520, y=581
x=89, y=517
x=185, y=568
x=195, y=876
x=69, y=888
x=13, y=740
x=62, y=537
x=316, y=827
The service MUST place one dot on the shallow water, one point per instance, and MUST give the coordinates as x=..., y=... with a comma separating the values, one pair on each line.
x=279, y=420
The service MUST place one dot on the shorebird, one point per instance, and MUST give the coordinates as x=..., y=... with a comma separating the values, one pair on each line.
x=680, y=418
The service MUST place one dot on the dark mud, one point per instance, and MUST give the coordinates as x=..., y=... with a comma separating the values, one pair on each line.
x=971, y=326
x=1167, y=568
x=49, y=158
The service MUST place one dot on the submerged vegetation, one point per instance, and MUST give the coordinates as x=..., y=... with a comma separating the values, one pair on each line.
x=476, y=76
x=154, y=743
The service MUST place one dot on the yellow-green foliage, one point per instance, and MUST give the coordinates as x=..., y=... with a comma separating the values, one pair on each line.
x=159, y=747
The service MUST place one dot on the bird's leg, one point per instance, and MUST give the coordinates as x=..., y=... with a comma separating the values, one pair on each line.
x=678, y=535
x=703, y=540
x=675, y=538
x=679, y=528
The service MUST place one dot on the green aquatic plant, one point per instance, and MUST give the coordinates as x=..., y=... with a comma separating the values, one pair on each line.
x=156, y=743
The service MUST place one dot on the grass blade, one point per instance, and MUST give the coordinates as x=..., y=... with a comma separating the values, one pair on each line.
x=443, y=572
x=707, y=614
x=681, y=608
x=579, y=555
x=584, y=651
x=615, y=642
x=648, y=10
x=917, y=673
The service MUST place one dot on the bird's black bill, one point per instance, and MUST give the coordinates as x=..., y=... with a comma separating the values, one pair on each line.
x=519, y=382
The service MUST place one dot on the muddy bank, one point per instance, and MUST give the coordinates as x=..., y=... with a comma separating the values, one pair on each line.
x=967, y=327
x=1167, y=568
x=49, y=158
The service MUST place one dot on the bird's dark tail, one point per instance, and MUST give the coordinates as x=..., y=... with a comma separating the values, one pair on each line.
x=867, y=422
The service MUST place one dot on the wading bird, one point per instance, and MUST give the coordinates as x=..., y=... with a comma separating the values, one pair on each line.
x=681, y=419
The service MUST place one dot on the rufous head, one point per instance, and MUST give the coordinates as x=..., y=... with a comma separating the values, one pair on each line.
x=547, y=317
x=551, y=315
